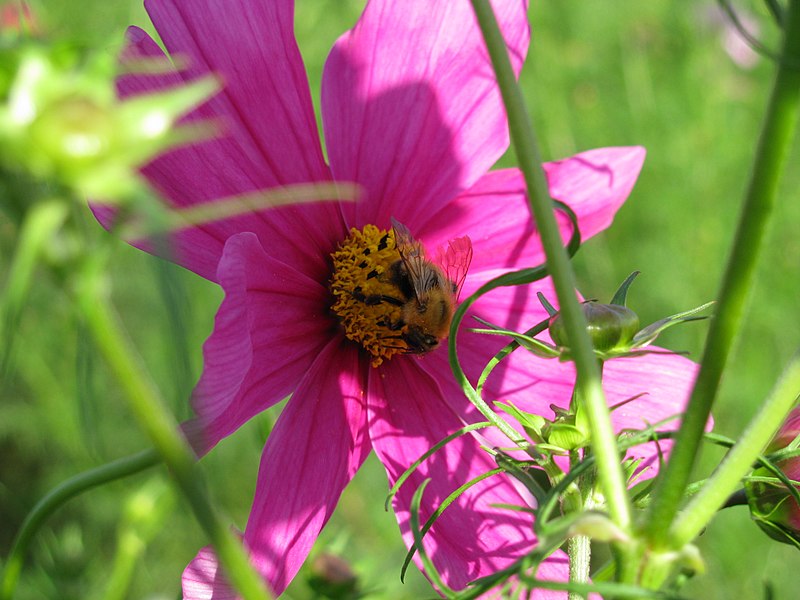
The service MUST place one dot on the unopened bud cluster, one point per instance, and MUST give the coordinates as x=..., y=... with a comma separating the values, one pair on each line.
x=611, y=327
x=614, y=331
x=61, y=120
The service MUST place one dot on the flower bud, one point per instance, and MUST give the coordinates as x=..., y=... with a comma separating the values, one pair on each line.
x=611, y=327
x=332, y=577
x=17, y=18
x=61, y=121
x=772, y=506
x=73, y=132
x=598, y=527
x=787, y=433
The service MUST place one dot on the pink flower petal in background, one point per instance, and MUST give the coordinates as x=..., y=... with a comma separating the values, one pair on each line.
x=533, y=383
x=496, y=212
x=663, y=383
x=471, y=537
x=203, y=578
x=410, y=104
x=266, y=99
x=191, y=174
x=268, y=305
x=319, y=442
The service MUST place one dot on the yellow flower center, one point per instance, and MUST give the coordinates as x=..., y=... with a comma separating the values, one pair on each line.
x=366, y=300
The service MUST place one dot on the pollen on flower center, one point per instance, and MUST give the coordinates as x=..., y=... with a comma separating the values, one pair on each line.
x=366, y=301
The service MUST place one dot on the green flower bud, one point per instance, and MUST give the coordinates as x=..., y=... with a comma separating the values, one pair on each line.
x=332, y=577
x=598, y=527
x=611, y=327
x=566, y=436
x=61, y=121
x=772, y=506
x=72, y=133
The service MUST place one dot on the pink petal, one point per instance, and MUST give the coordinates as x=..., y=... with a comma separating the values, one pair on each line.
x=471, y=538
x=410, y=104
x=317, y=445
x=140, y=46
x=495, y=213
x=270, y=327
x=266, y=101
x=511, y=307
x=243, y=158
x=590, y=180
x=533, y=384
x=667, y=381
x=203, y=579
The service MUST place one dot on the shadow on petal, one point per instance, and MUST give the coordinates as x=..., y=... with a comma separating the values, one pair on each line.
x=471, y=538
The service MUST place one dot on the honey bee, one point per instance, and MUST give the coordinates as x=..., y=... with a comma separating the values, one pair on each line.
x=429, y=292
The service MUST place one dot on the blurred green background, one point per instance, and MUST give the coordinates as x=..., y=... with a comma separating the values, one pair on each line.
x=654, y=73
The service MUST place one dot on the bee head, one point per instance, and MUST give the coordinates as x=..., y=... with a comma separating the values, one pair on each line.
x=419, y=342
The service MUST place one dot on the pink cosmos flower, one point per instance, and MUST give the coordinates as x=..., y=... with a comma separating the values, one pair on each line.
x=411, y=112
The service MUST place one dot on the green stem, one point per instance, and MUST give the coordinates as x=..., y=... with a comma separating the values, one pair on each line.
x=461, y=377
x=39, y=227
x=146, y=404
x=67, y=490
x=579, y=549
x=143, y=517
x=739, y=461
x=772, y=152
x=588, y=383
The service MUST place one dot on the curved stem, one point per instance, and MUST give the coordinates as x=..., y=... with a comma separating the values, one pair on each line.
x=773, y=148
x=91, y=295
x=587, y=383
x=123, y=467
x=461, y=377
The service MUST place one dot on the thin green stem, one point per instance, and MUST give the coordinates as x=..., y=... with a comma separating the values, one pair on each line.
x=521, y=277
x=143, y=397
x=41, y=223
x=739, y=461
x=773, y=148
x=143, y=516
x=604, y=589
x=461, y=378
x=579, y=549
x=57, y=497
x=588, y=382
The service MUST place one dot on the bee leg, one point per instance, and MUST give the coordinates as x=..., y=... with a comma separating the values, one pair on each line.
x=383, y=298
x=393, y=337
x=374, y=299
x=392, y=325
x=396, y=347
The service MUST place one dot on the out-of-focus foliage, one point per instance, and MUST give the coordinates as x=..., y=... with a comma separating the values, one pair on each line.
x=60, y=119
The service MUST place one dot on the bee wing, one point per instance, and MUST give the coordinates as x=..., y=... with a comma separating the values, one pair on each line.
x=413, y=256
x=455, y=260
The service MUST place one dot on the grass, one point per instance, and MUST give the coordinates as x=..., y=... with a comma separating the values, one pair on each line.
x=599, y=74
